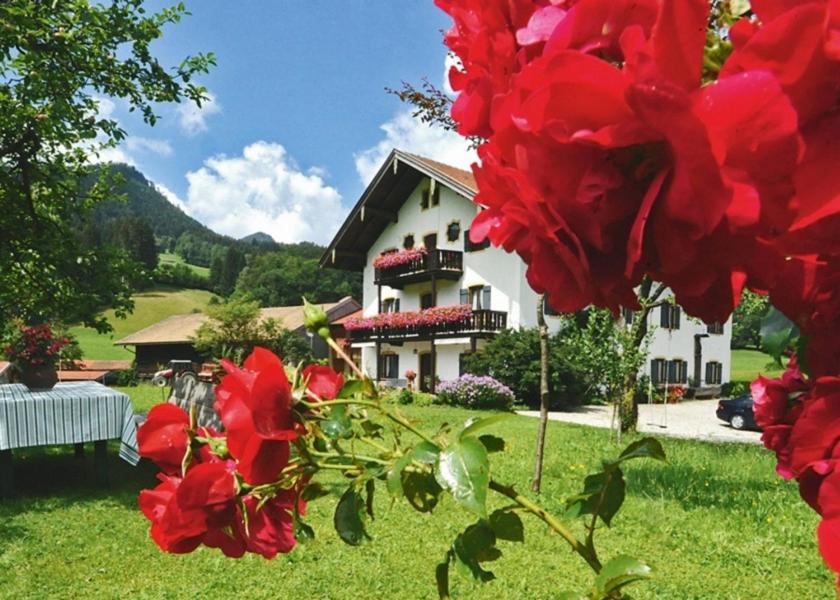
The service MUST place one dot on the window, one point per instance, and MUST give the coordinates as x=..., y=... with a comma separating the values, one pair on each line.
x=715, y=328
x=670, y=316
x=470, y=247
x=628, y=314
x=677, y=371
x=408, y=241
x=430, y=241
x=478, y=297
x=453, y=231
x=714, y=373
x=657, y=371
x=389, y=366
x=391, y=305
x=427, y=300
x=430, y=196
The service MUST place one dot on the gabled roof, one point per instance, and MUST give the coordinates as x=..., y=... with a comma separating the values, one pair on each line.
x=180, y=329
x=396, y=179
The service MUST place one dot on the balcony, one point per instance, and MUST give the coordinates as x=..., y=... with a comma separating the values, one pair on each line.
x=442, y=264
x=478, y=323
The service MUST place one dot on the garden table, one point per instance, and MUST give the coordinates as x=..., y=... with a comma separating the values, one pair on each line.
x=70, y=413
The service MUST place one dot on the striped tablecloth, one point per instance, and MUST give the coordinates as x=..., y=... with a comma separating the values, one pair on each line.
x=70, y=413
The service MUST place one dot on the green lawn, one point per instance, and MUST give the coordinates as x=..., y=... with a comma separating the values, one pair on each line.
x=150, y=306
x=747, y=364
x=715, y=521
x=168, y=258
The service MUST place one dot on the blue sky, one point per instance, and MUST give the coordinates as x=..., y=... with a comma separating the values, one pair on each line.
x=299, y=117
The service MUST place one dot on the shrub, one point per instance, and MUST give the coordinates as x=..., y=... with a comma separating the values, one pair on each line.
x=513, y=358
x=731, y=389
x=405, y=397
x=476, y=391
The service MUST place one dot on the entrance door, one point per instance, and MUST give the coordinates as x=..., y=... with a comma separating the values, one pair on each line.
x=425, y=371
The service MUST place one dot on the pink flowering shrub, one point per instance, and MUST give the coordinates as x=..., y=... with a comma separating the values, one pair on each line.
x=403, y=257
x=436, y=315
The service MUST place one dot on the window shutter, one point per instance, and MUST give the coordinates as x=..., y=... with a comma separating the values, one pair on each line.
x=677, y=312
x=710, y=375
x=465, y=296
x=672, y=371
x=654, y=371
x=397, y=305
x=665, y=316
x=485, y=298
x=466, y=240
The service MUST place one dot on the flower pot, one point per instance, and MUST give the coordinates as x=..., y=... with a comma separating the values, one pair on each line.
x=38, y=377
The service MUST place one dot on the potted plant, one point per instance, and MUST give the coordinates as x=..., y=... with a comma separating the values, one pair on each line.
x=35, y=351
x=410, y=376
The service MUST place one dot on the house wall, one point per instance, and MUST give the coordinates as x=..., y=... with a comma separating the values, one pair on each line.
x=447, y=357
x=679, y=344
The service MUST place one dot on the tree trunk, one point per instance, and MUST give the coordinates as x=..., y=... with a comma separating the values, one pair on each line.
x=544, y=394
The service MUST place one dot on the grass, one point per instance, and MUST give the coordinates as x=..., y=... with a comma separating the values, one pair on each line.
x=168, y=258
x=150, y=306
x=747, y=364
x=715, y=521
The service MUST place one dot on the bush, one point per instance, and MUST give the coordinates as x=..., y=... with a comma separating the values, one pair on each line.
x=127, y=378
x=405, y=397
x=513, y=358
x=731, y=389
x=476, y=391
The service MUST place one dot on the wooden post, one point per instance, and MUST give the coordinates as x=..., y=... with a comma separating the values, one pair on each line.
x=79, y=450
x=100, y=461
x=433, y=356
x=377, y=367
x=7, y=473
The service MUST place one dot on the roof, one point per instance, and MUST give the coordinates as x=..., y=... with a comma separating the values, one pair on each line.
x=352, y=315
x=180, y=329
x=377, y=207
x=103, y=365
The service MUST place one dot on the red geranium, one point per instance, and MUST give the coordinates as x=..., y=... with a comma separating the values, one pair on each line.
x=323, y=381
x=163, y=437
x=255, y=405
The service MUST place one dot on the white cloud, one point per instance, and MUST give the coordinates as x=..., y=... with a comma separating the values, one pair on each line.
x=450, y=61
x=143, y=144
x=263, y=190
x=172, y=197
x=404, y=132
x=192, y=119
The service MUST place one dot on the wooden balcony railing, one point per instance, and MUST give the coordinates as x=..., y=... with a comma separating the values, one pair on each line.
x=444, y=264
x=480, y=322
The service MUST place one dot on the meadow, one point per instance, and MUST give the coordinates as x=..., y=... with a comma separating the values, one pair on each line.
x=714, y=521
x=150, y=306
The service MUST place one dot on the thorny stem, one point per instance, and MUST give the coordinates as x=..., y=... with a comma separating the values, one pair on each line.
x=549, y=520
x=347, y=360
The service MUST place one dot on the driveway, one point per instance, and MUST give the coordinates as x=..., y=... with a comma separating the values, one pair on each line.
x=692, y=419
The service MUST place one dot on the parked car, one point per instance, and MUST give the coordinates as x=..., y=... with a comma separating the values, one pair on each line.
x=738, y=412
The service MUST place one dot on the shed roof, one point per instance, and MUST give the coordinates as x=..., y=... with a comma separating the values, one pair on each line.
x=377, y=207
x=180, y=329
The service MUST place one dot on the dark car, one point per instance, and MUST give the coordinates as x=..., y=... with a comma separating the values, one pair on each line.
x=738, y=412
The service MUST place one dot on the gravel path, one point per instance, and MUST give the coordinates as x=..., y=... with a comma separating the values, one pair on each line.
x=692, y=419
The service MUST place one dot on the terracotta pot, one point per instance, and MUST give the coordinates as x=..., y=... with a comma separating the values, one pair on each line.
x=38, y=377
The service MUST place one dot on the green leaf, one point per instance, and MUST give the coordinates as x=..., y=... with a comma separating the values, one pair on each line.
x=313, y=491
x=603, y=494
x=338, y=424
x=421, y=490
x=442, y=578
x=492, y=443
x=303, y=532
x=621, y=571
x=474, y=426
x=463, y=470
x=358, y=387
x=507, y=526
x=476, y=544
x=644, y=448
x=349, y=518
x=370, y=488
x=777, y=334
x=424, y=452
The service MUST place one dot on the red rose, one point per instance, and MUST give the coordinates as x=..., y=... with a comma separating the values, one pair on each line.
x=184, y=511
x=163, y=437
x=323, y=381
x=270, y=529
x=255, y=405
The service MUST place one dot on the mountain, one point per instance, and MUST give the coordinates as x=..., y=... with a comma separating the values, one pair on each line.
x=258, y=237
x=143, y=200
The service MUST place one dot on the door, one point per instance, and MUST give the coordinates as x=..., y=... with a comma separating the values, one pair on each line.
x=425, y=371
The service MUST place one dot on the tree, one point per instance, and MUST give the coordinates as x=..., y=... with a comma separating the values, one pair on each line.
x=746, y=320
x=232, y=264
x=235, y=327
x=58, y=60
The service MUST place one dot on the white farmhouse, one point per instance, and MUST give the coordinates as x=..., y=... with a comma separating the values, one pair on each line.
x=433, y=296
